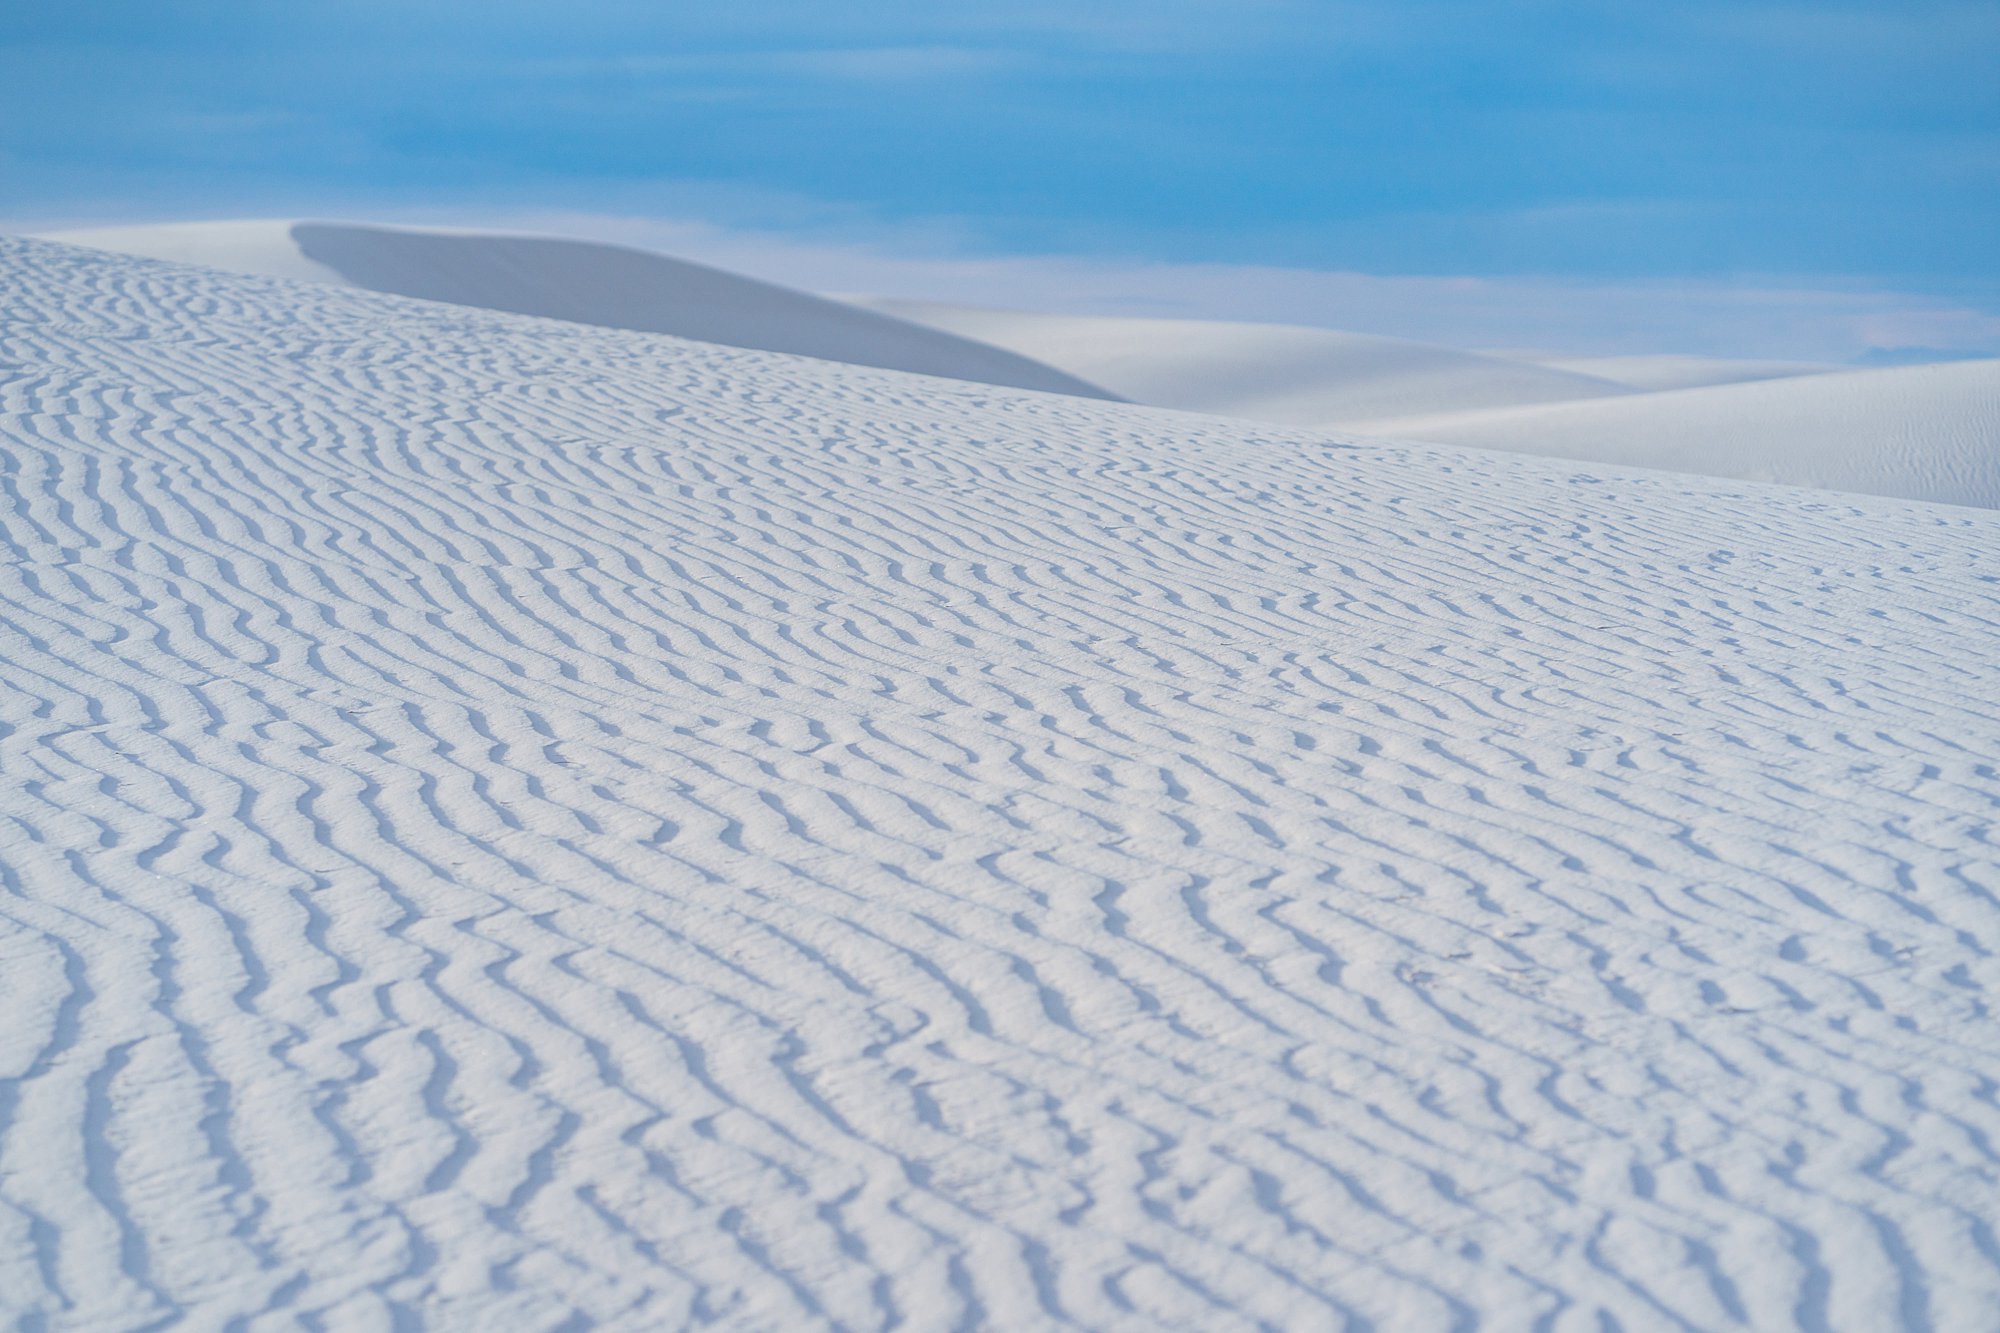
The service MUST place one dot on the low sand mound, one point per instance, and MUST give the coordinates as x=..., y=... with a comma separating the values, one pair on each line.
x=1655, y=373
x=1922, y=432
x=1930, y=432
x=587, y=282
x=1265, y=372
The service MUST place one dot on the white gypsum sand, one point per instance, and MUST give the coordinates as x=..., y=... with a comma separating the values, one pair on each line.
x=1664, y=371
x=1918, y=432
x=1916, y=436
x=589, y=282
x=518, y=825
x=1921, y=432
x=1279, y=373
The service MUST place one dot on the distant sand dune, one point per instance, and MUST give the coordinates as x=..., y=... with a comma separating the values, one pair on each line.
x=1922, y=432
x=1654, y=373
x=589, y=282
x=1265, y=372
x=1925, y=432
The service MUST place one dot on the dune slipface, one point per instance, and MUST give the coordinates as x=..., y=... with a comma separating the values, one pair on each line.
x=515, y=825
x=589, y=282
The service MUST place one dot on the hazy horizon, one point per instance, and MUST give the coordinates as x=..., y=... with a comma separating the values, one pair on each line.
x=1699, y=149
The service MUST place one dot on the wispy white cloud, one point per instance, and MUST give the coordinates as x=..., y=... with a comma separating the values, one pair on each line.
x=860, y=64
x=881, y=63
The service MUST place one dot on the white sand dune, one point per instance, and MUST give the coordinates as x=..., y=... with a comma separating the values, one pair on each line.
x=510, y=824
x=1926, y=432
x=1657, y=372
x=1834, y=433
x=1265, y=372
x=1920, y=432
x=588, y=282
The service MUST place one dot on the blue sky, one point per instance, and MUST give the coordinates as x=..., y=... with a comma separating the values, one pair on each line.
x=1827, y=143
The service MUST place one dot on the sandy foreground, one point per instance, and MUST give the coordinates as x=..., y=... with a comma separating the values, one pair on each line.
x=514, y=825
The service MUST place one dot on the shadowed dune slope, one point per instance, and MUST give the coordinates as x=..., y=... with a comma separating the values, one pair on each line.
x=588, y=282
x=507, y=824
x=1924, y=432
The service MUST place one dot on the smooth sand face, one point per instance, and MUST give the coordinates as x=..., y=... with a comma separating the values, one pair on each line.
x=1919, y=435
x=1929, y=433
x=1264, y=372
x=1657, y=373
x=245, y=245
x=583, y=281
x=514, y=824
x=1922, y=432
